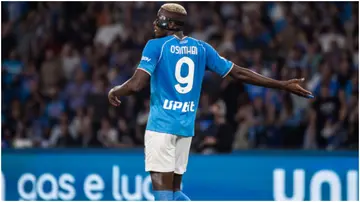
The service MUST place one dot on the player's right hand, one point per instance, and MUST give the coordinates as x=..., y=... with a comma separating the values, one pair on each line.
x=113, y=99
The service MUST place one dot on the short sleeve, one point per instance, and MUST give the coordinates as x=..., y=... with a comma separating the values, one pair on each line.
x=149, y=57
x=215, y=62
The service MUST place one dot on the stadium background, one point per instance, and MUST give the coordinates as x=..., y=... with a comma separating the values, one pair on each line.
x=62, y=140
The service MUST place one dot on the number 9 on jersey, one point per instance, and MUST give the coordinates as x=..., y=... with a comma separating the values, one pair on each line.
x=187, y=80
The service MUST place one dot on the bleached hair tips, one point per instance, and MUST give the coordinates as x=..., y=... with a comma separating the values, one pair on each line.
x=174, y=8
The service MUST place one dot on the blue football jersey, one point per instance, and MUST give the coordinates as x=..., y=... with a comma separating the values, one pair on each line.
x=177, y=67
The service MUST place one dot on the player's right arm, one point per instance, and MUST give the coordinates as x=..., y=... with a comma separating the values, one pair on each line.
x=247, y=76
x=224, y=67
x=141, y=77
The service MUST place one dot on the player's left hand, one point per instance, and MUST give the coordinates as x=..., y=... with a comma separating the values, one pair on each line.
x=293, y=86
x=113, y=99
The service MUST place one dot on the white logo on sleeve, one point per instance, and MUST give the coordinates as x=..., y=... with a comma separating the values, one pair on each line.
x=145, y=58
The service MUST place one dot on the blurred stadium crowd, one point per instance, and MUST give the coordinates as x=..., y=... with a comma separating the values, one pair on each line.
x=60, y=59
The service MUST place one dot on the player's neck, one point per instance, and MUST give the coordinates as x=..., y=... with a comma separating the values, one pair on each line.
x=179, y=34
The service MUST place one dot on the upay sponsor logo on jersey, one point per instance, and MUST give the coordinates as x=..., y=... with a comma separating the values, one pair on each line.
x=183, y=106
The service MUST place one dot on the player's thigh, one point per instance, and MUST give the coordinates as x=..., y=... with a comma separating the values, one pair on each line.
x=182, y=154
x=160, y=152
x=177, y=182
x=162, y=180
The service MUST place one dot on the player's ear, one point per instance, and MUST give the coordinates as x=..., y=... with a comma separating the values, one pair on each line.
x=171, y=25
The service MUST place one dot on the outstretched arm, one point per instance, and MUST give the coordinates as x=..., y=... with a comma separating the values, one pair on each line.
x=251, y=77
x=137, y=82
x=223, y=67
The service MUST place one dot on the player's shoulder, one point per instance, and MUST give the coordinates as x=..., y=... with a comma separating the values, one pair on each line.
x=160, y=41
x=195, y=40
x=199, y=42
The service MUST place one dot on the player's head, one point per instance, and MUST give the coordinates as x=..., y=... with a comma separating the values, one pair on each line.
x=170, y=18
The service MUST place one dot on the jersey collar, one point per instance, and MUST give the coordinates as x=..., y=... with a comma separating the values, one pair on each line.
x=179, y=37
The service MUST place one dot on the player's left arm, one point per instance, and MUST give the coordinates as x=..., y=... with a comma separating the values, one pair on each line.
x=141, y=77
x=224, y=67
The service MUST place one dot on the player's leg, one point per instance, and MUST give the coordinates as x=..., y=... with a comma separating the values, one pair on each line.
x=160, y=162
x=182, y=155
x=178, y=194
x=177, y=182
x=162, y=185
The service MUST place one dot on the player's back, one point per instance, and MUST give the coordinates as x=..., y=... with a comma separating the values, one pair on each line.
x=176, y=80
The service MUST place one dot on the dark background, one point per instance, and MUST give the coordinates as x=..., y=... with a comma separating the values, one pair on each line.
x=60, y=59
